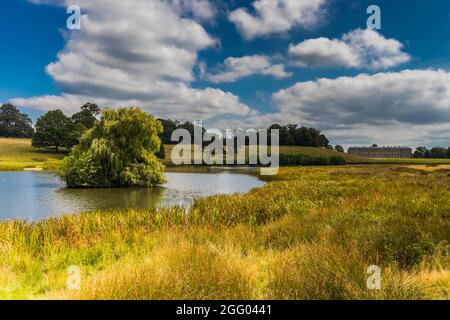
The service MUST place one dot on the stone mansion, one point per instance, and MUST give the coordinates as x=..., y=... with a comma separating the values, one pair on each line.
x=381, y=152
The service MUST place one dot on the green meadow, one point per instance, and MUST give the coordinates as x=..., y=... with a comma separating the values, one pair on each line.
x=309, y=233
x=17, y=155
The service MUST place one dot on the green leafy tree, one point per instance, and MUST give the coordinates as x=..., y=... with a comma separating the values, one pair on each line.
x=13, y=123
x=438, y=153
x=161, y=154
x=291, y=135
x=422, y=152
x=53, y=131
x=87, y=116
x=169, y=127
x=119, y=151
x=289, y=141
x=339, y=148
x=83, y=121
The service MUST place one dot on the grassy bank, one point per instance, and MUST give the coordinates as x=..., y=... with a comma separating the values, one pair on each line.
x=310, y=233
x=17, y=155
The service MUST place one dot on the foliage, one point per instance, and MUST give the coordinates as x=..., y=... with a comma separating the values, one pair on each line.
x=83, y=120
x=169, y=126
x=161, y=154
x=13, y=123
x=292, y=135
x=87, y=116
x=119, y=151
x=339, y=148
x=54, y=131
x=306, y=160
x=434, y=153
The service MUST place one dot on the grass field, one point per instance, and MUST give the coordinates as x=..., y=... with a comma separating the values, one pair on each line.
x=309, y=233
x=17, y=155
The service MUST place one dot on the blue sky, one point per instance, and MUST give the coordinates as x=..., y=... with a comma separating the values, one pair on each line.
x=170, y=57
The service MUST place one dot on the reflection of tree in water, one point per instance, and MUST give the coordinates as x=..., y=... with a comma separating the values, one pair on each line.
x=77, y=200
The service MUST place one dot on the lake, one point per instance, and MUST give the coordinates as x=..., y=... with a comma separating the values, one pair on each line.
x=37, y=195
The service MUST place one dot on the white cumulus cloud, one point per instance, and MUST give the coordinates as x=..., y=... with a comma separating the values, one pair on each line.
x=409, y=96
x=357, y=49
x=237, y=68
x=411, y=107
x=137, y=52
x=276, y=16
x=199, y=9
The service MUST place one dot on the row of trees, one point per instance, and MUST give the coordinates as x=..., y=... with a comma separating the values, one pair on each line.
x=290, y=135
x=54, y=130
x=434, y=153
x=293, y=135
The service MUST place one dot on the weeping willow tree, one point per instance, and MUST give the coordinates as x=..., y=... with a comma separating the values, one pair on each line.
x=119, y=151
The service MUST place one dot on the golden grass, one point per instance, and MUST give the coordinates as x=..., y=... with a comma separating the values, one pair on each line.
x=310, y=233
x=430, y=168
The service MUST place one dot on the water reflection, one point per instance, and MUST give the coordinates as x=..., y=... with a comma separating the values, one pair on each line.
x=86, y=199
x=36, y=195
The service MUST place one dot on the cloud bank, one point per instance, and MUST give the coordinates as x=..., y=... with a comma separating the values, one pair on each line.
x=125, y=53
x=411, y=107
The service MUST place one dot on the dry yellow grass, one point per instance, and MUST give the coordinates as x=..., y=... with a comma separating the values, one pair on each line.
x=430, y=168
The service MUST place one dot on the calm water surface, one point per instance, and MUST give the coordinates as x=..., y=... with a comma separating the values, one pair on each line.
x=37, y=195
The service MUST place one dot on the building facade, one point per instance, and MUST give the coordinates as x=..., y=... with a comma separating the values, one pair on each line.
x=381, y=152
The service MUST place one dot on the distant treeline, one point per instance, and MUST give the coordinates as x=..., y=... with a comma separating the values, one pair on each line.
x=54, y=130
x=307, y=160
x=290, y=135
x=433, y=153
